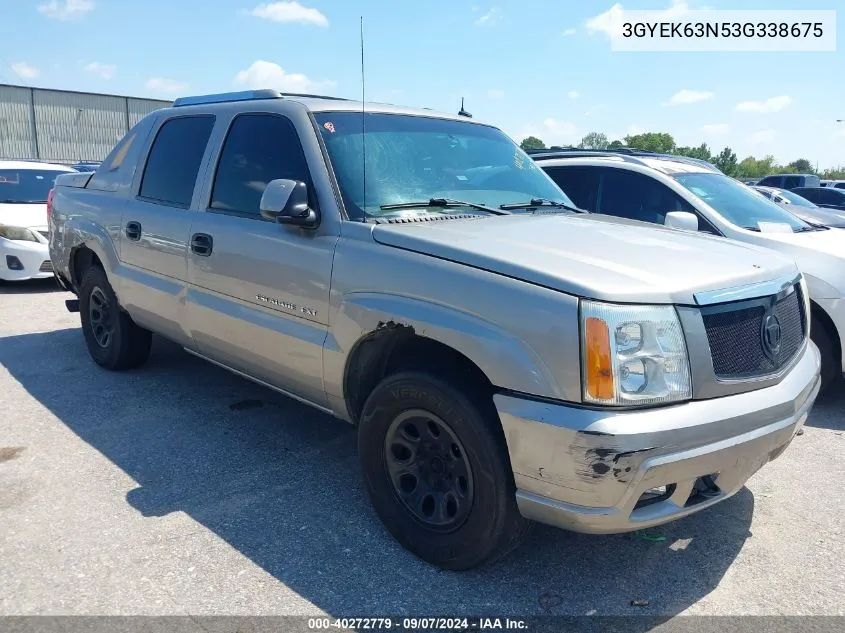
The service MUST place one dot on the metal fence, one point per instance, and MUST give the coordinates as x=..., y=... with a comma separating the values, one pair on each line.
x=65, y=127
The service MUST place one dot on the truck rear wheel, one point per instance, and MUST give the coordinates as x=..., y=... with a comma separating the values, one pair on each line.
x=113, y=339
x=438, y=473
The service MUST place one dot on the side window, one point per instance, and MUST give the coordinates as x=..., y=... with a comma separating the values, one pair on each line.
x=790, y=182
x=829, y=196
x=839, y=185
x=770, y=181
x=632, y=195
x=581, y=184
x=809, y=194
x=174, y=160
x=258, y=148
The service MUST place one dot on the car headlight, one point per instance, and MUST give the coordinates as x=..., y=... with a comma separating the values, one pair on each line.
x=633, y=355
x=17, y=233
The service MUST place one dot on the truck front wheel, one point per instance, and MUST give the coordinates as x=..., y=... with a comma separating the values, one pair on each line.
x=113, y=339
x=437, y=471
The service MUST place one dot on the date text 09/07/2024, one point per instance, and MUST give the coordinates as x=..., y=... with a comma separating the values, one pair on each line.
x=418, y=624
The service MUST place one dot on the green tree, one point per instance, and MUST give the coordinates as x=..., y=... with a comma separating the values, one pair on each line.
x=801, y=166
x=833, y=174
x=616, y=145
x=701, y=152
x=726, y=162
x=594, y=140
x=659, y=142
x=532, y=142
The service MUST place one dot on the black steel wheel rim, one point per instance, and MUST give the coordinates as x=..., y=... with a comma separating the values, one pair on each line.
x=100, y=317
x=429, y=470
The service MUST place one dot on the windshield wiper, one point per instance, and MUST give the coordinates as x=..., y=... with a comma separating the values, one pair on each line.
x=443, y=203
x=541, y=202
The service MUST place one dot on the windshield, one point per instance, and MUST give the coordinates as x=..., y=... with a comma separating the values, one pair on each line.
x=415, y=158
x=797, y=200
x=26, y=185
x=738, y=203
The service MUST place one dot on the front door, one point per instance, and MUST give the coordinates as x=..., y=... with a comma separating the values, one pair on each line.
x=155, y=225
x=259, y=292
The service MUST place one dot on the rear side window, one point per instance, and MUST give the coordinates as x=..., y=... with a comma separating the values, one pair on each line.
x=790, y=182
x=809, y=193
x=174, y=160
x=581, y=184
x=259, y=148
x=770, y=181
x=839, y=185
x=830, y=196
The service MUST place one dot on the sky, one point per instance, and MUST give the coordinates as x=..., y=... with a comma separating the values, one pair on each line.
x=531, y=67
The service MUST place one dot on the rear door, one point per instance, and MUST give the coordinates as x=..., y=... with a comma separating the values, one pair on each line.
x=259, y=295
x=155, y=225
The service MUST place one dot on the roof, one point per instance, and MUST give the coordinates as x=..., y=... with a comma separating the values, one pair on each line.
x=32, y=164
x=666, y=163
x=315, y=103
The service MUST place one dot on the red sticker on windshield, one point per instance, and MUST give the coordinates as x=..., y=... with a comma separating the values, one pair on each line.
x=329, y=126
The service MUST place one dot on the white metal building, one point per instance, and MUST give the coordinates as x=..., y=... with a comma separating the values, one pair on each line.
x=63, y=126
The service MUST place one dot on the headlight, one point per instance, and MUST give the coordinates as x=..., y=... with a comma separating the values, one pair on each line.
x=17, y=233
x=633, y=355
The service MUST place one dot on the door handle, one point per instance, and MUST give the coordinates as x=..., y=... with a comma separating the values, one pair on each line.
x=201, y=244
x=133, y=230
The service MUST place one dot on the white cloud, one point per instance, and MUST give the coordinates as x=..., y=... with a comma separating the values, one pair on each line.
x=496, y=94
x=165, y=86
x=715, y=129
x=775, y=104
x=264, y=74
x=66, y=10
x=25, y=71
x=490, y=18
x=289, y=12
x=568, y=32
x=574, y=94
x=106, y=71
x=551, y=131
x=762, y=137
x=611, y=21
x=685, y=97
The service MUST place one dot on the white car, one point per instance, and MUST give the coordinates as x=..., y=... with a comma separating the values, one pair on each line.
x=24, y=187
x=690, y=194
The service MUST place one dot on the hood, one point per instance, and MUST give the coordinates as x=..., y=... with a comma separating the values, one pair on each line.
x=819, y=254
x=30, y=216
x=593, y=256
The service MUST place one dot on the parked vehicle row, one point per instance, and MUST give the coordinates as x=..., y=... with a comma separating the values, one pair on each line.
x=800, y=206
x=505, y=355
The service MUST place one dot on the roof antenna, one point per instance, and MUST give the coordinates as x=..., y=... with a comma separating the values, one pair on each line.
x=464, y=112
x=363, y=119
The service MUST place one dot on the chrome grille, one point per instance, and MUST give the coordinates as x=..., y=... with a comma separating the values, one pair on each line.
x=742, y=334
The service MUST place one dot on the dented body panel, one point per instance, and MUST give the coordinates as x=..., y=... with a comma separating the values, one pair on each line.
x=586, y=470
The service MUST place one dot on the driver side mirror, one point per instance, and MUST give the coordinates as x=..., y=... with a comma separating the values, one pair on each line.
x=286, y=202
x=683, y=220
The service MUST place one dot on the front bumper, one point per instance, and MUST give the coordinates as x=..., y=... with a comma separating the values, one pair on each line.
x=588, y=470
x=34, y=257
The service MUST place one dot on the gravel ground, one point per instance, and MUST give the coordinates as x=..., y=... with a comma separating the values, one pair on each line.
x=181, y=489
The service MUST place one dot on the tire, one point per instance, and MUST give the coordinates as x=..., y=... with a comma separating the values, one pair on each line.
x=479, y=517
x=821, y=336
x=113, y=339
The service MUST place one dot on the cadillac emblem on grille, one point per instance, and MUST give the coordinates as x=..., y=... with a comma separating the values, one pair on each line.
x=771, y=335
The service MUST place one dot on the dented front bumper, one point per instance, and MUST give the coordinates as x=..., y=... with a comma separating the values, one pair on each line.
x=604, y=471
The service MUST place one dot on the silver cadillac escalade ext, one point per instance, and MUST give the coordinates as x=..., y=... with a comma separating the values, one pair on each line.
x=505, y=356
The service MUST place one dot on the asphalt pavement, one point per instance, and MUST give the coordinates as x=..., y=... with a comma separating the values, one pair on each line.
x=179, y=488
